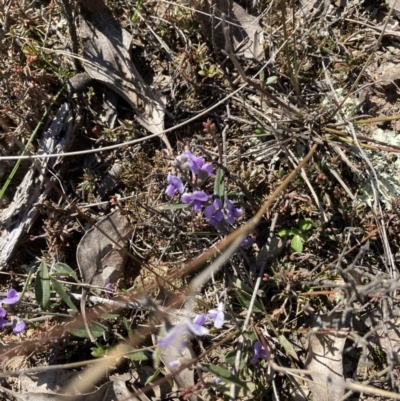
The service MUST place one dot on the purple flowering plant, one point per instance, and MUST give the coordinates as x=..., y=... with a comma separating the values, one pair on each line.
x=213, y=206
x=259, y=353
x=217, y=315
x=11, y=298
x=178, y=334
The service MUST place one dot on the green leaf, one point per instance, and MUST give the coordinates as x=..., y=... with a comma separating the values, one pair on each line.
x=230, y=359
x=219, y=183
x=296, y=231
x=238, y=283
x=138, y=356
x=152, y=377
x=157, y=357
x=224, y=375
x=271, y=80
x=285, y=232
x=244, y=299
x=99, y=351
x=64, y=270
x=27, y=283
x=175, y=206
x=306, y=224
x=42, y=286
x=109, y=316
x=58, y=288
x=296, y=245
x=95, y=328
x=288, y=347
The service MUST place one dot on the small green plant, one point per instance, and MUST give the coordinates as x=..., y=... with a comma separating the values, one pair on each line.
x=300, y=235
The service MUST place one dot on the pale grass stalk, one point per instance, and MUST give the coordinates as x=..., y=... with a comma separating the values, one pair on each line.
x=257, y=284
x=333, y=380
x=310, y=187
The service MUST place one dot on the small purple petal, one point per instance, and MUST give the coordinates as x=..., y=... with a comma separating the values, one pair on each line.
x=220, y=320
x=12, y=297
x=212, y=314
x=174, y=364
x=209, y=211
x=170, y=191
x=200, y=196
x=175, y=184
x=19, y=326
x=196, y=326
x=197, y=205
x=200, y=319
x=3, y=312
x=248, y=242
x=209, y=168
x=198, y=330
x=218, y=215
x=195, y=163
x=187, y=197
x=218, y=380
x=213, y=222
x=259, y=352
x=173, y=337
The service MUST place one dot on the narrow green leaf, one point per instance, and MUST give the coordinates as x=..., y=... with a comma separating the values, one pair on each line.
x=27, y=283
x=288, y=347
x=244, y=299
x=58, y=288
x=175, y=206
x=285, y=232
x=230, y=359
x=95, y=328
x=152, y=377
x=224, y=375
x=42, y=286
x=219, y=183
x=109, y=316
x=296, y=245
x=64, y=270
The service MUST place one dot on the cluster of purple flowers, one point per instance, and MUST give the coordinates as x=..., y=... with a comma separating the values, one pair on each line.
x=214, y=210
x=178, y=334
x=18, y=324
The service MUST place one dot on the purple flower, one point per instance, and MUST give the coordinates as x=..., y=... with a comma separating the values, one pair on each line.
x=3, y=314
x=18, y=325
x=248, y=242
x=214, y=213
x=11, y=298
x=174, y=364
x=218, y=380
x=195, y=163
x=259, y=353
x=195, y=199
x=111, y=288
x=217, y=315
x=177, y=335
x=232, y=212
x=175, y=184
x=206, y=170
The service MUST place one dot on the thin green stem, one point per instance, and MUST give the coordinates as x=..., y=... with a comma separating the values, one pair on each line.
x=28, y=144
